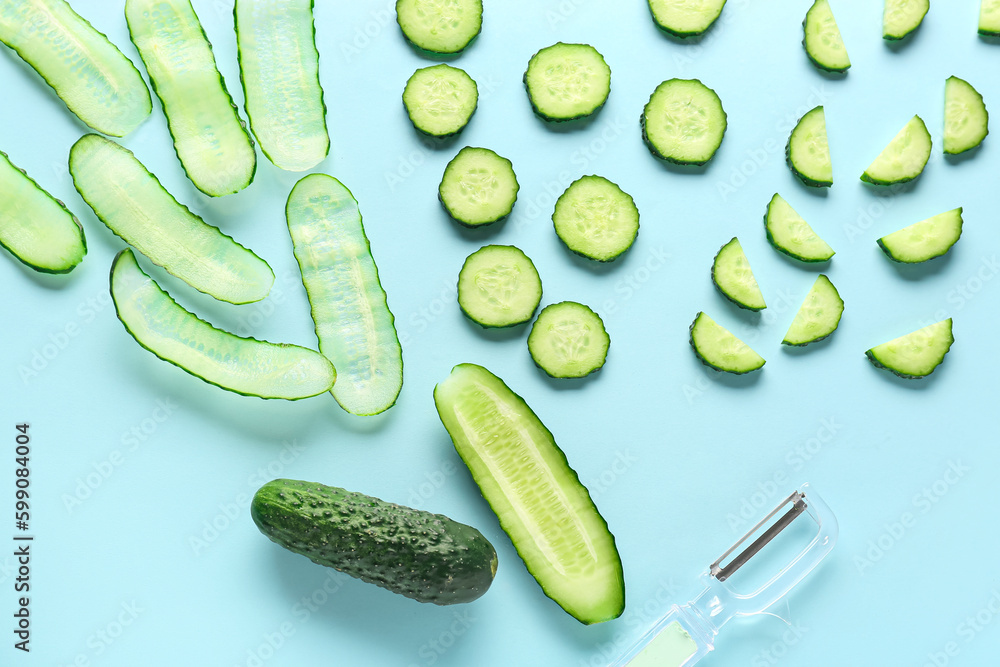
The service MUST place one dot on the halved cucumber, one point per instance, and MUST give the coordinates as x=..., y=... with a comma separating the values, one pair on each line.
x=95, y=80
x=790, y=234
x=718, y=348
x=731, y=273
x=35, y=227
x=210, y=139
x=355, y=328
x=478, y=187
x=916, y=354
x=279, y=70
x=440, y=26
x=242, y=365
x=966, y=121
x=901, y=17
x=541, y=504
x=683, y=18
x=924, y=240
x=904, y=158
x=823, y=42
x=440, y=100
x=819, y=315
x=808, y=150
x=596, y=219
x=568, y=340
x=498, y=286
x=989, y=18
x=133, y=204
x=683, y=122
x=567, y=81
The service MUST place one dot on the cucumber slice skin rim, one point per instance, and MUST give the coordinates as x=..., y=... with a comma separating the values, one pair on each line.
x=986, y=120
x=835, y=292
x=508, y=323
x=943, y=250
x=836, y=69
x=431, y=52
x=706, y=361
x=573, y=247
x=878, y=363
x=503, y=215
x=570, y=375
x=722, y=290
x=806, y=179
x=681, y=33
x=419, y=127
x=868, y=178
x=896, y=36
x=657, y=152
x=565, y=119
x=127, y=255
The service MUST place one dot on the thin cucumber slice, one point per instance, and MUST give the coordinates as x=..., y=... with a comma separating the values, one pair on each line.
x=596, y=219
x=790, y=234
x=718, y=348
x=819, y=315
x=211, y=140
x=279, y=70
x=568, y=340
x=541, y=504
x=684, y=122
x=567, y=81
x=95, y=80
x=989, y=18
x=924, y=240
x=440, y=100
x=916, y=354
x=498, y=286
x=823, y=42
x=242, y=365
x=683, y=18
x=34, y=226
x=901, y=17
x=732, y=274
x=440, y=26
x=132, y=203
x=966, y=121
x=355, y=328
x=478, y=187
x=808, y=150
x=904, y=158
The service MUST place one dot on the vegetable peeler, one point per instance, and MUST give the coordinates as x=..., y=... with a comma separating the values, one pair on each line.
x=686, y=633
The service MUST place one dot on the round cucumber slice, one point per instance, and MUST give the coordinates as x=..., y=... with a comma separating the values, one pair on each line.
x=440, y=26
x=683, y=18
x=924, y=240
x=440, y=100
x=901, y=17
x=731, y=273
x=819, y=315
x=966, y=121
x=808, y=150
x=823, y=42
x=718, y=348
x=596, y=219
x=567, y=81
x=498, y=286
x=568, y=340
x=916, y=354
x=684, y=122
x=478, y=187
x=791, y=235
x=904, y=158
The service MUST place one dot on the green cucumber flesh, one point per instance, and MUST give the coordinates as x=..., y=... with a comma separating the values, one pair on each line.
x=901, y=17
x=924, y=240
x=966, y=121
x=423, y=556
x=498, y=286
x=916, y=354
x=819, y=315
x=354, y=325
x=718, y=348
x=596, y=219
x=904, y=158
x=210, y=139
x=478, y=187
x=568, y=340
x=684, y=122
x=35, y=227
x=440, y=26
x=823, y=42
x=279, y=70
x=91, y=76
x=440, y=100
x=808, y=150
x=789, y=233
x=989, y=18
x=135, y=206
x=538, y=498
x=567, y=81
x=241, y=365
x=733, y=276
x=683, y=18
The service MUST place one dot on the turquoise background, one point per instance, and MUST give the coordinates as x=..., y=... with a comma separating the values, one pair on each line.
x=141, y=474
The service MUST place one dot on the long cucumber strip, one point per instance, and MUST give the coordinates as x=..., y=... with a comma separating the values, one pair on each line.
x=279, y=69
x=538, y=498
x=95, y=80
x=355, y=328
x=132, y=203
x=35, y=227
x=242, y=365
x=211, y=141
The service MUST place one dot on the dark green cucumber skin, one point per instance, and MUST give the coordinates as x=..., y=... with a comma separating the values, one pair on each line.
x=811, y=182
x=423, y=556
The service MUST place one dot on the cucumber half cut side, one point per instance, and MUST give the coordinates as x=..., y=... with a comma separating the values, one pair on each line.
x=818, y=317
x=718, y=348
x=916, y=354
x=732, y=275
